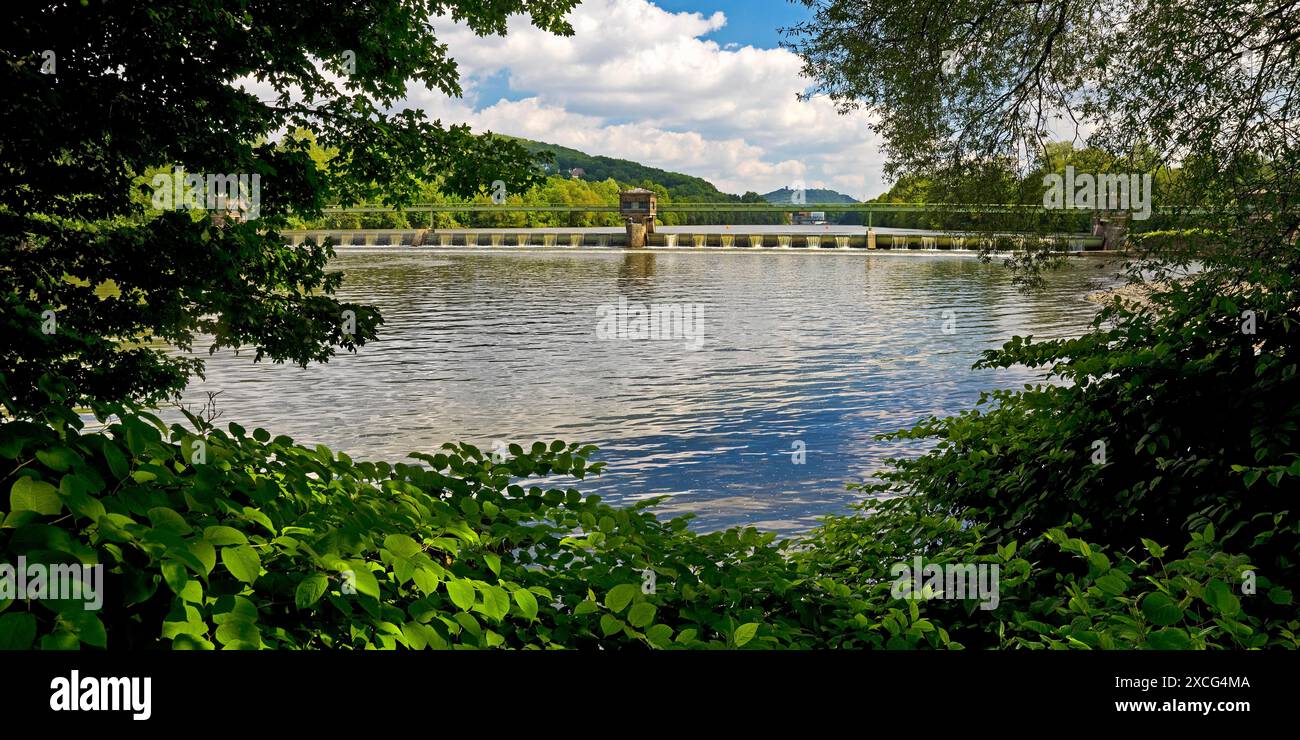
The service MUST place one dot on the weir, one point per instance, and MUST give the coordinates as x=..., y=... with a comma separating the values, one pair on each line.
x=638, y=209
x=686, y=237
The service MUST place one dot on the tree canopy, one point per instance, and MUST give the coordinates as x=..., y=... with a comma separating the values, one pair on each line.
x=963, y=90
x=110, y=94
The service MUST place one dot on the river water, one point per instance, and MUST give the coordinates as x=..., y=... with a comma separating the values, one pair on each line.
x=799, y=352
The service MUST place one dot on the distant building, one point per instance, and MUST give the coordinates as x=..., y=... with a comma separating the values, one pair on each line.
x=577, y=173
x=638, y=202
x=637, y=207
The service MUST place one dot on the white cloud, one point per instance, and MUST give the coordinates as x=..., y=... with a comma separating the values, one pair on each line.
x=639, y=83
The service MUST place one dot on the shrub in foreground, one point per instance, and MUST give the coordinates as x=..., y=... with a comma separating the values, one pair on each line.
x=216, y=538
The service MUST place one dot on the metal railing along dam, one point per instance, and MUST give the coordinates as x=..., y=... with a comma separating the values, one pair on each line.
x=726, y=236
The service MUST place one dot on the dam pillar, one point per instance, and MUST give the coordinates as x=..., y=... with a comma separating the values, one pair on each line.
x=636, y=233
x=637, y=207
x=871, y=238
x=1112, y=227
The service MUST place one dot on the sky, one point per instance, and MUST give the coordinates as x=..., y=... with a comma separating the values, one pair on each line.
x=693, y=86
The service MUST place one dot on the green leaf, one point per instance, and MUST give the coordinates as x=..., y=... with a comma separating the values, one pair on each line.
x=242, y=561
x=471, y=625
x=310, y=589
x=609, y=624
x=461, y=593
x=221, y=535
x=58, y=459
x=1111, y=584
x=17, y=631
x=1279, y=595
x=365, y=581
x=75, y=489
x=164, y=518
x=641, y=614
x=191, y=642
x=621, y=595
x=60, y=640
x=117, y=462
x=745, y=633
x=86, y=626
x=1152, y=547
x=426, y=579
x=29, y=494
x=527, y=603
x=496, y=602
x=238, y=631
x=1220, y=597
x=1169, y=638
x=1160, y=609
x=205, y=553
x=174, y=573
x=660, y=635
x=401, y=546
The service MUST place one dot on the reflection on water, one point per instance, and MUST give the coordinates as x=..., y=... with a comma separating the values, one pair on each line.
x=816, y=351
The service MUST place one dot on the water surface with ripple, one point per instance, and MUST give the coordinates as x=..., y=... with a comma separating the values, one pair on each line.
x=819, y=350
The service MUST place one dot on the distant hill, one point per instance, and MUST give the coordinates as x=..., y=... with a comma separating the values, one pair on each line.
x=597, y=169
x=811, y=195
x=681, y=188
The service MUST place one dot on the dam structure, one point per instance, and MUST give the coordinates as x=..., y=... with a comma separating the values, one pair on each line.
x=638, y=210
x=682, y=238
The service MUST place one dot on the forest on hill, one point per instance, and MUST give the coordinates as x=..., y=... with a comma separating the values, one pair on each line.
x=582, y=180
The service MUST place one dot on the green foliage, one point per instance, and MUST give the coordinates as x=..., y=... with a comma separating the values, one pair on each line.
x=267, y=544
x=120, y=282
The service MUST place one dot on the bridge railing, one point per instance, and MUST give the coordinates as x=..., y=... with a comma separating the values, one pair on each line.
x=732, y=207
